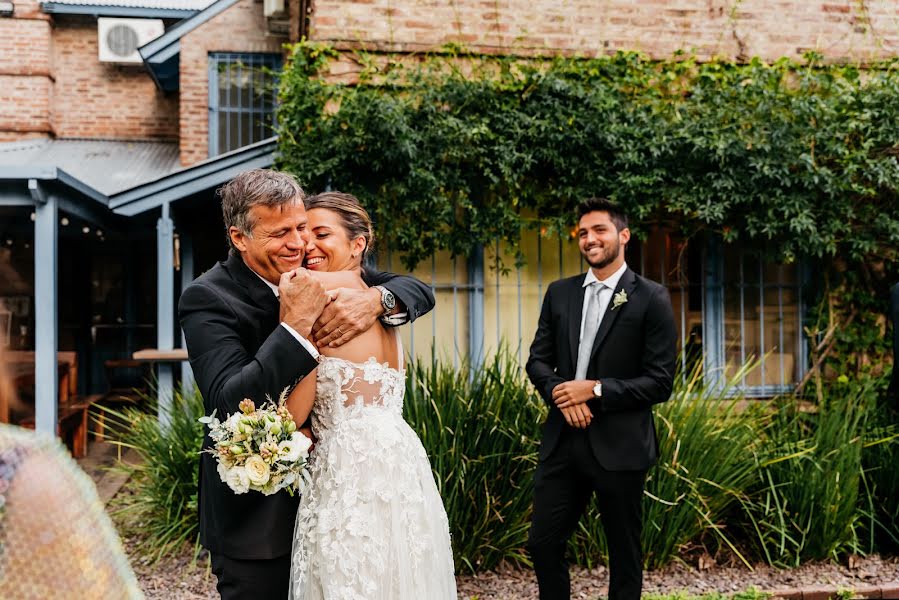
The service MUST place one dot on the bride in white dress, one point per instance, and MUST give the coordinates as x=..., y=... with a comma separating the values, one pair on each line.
x=371, y=525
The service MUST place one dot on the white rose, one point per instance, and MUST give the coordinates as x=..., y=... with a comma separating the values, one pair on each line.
x=258, y=470
x=238, y=480
x=223, y=472
x=295, y=448
x=233, y=423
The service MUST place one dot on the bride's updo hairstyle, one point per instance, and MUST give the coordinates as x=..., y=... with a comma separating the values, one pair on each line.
x=353, y=217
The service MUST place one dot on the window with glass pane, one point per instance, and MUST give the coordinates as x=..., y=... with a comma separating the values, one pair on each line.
x=762, y=304
x=676, y=263
x=242, y=99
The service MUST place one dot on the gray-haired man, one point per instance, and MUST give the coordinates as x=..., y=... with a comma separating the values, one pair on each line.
x=248, y=322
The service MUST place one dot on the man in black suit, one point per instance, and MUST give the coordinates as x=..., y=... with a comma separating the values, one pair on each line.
x=248, y=322
x=604, y=353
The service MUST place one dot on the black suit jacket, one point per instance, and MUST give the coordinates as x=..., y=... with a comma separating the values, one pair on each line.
x=237, y=350
x=634, y=355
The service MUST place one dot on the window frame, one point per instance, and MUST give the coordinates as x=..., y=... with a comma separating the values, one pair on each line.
x=269, y=60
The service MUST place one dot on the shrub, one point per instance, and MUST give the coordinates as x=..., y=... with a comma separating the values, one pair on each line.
x=162, y=503
x=481, y=431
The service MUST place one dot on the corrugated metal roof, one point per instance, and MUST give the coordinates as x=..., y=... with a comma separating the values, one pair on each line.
x=106, y=166
x=170, y=4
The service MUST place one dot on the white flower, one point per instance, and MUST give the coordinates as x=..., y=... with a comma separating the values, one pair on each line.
x=257, y=470
x=295, y=448
x=619, y=299
x=238, y=480
x=233, y=423
x=223, y=472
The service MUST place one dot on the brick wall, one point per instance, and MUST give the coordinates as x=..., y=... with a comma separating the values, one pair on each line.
x=25, y=79
x=839, y=29
x=51, y=84
x=241, y=28
x=102, y=100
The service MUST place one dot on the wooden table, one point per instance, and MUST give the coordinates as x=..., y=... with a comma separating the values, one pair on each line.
x=165, y=385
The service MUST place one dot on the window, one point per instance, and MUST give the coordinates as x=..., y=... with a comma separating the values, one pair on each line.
x=758, y=313
x=242, y=98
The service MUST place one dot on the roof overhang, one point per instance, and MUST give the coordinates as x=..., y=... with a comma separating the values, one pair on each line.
x=161, y=56
x=194, y=179
x=75, y=197
x=64, y=8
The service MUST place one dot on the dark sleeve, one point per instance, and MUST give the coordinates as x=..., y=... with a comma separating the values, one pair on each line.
x=416, y=297
x=225, y=371
x=542, y=361
x=656, y=378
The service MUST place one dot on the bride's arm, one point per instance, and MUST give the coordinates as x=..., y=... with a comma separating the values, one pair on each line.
x=301, y=398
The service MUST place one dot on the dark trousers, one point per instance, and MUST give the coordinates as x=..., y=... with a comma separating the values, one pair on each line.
x=252, y=579
x=563, y=485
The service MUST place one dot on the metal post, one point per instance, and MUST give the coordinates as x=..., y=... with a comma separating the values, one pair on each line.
x=165, y=308
x=46, y=375
x=187, y=276
x=476, y=307
x=713, y=315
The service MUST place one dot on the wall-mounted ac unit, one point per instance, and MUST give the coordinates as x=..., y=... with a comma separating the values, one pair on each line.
x=273, y=8
x=119, y=39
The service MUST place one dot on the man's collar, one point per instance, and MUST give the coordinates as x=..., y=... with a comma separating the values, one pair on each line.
x=611, y=281
x=271, y=286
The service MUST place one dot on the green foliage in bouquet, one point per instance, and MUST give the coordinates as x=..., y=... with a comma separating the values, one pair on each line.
x=161, y=503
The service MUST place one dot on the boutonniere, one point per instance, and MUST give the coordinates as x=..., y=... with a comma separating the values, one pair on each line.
x=619, y=299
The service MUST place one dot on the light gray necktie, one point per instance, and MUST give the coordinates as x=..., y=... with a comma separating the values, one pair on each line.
x=591, y=326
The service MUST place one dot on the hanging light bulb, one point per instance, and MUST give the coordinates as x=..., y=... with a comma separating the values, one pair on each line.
x=85, y=229
x=64, y=221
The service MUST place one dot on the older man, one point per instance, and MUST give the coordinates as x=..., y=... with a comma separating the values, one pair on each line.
x=249, y=322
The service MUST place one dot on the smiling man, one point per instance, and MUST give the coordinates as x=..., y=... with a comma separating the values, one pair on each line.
x=248, y=323
x=603, y=355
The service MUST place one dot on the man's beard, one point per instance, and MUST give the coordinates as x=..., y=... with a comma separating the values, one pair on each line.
x=606, y=259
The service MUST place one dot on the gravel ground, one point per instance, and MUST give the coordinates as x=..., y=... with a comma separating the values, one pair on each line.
x=180, y=578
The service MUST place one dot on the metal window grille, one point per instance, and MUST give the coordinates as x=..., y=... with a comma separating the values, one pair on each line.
x=725, y=316
x=242, y=99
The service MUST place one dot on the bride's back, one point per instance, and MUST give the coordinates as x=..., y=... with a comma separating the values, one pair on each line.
x=376, y=342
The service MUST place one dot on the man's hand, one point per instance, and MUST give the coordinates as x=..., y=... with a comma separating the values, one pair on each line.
x=578, y=416
x=350, y=313
x=302, y=300
x=573, y=393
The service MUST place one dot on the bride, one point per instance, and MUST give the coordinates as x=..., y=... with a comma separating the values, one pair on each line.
x=371, y=524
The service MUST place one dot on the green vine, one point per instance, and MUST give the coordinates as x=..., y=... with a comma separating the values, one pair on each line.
x=452, y=150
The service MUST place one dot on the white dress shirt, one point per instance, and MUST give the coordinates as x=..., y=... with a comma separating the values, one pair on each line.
x=605, y=294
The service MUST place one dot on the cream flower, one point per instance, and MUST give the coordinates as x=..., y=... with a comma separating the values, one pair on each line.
x=238, y=480
x=258, y=471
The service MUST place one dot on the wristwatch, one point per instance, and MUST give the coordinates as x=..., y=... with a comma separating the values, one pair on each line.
x=597, y=389
x=388, y=300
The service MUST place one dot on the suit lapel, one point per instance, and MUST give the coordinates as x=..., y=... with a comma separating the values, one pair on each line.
x=260, y=293
x=627, y=283
x=575, y=310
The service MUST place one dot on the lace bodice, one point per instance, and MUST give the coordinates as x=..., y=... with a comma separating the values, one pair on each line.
x=348, y=389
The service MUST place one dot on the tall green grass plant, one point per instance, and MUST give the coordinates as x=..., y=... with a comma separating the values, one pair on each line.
x=481, y=431
x=161, y=503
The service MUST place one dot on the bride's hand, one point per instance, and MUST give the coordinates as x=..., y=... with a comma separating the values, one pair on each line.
x=350, y=312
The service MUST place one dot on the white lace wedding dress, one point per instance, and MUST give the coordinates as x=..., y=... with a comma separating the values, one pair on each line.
x=371, y=525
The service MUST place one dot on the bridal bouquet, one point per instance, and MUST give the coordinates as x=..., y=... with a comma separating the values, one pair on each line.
x=260, y=448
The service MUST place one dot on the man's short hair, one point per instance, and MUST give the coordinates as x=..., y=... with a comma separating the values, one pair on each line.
x=616, y=213
x=257, y=187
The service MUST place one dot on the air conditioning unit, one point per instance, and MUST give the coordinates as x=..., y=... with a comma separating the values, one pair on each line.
x=119, y=39
x=273, y=8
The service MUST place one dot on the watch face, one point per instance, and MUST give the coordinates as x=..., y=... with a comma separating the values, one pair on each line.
x=597, y=389
x=388, y=300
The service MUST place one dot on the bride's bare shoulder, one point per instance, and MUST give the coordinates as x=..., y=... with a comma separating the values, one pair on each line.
x=338, y=279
